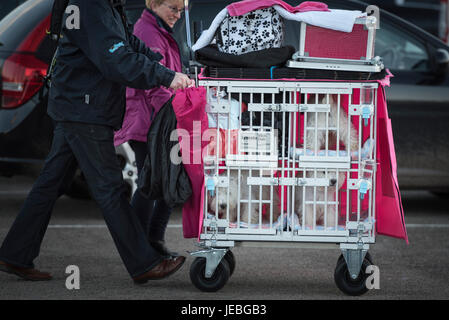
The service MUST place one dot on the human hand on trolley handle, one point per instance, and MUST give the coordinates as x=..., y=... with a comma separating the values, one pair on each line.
x=181, y=81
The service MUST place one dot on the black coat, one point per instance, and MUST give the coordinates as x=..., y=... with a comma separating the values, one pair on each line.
x=96, y=63
x=160, y=178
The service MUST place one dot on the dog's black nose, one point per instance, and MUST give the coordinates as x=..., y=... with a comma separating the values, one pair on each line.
x=222, y=206
x=333, y=182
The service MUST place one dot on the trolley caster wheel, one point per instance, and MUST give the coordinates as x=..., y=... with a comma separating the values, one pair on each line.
x=367, y=257
x=216, y=282
x=230, y=258
x=344, y=282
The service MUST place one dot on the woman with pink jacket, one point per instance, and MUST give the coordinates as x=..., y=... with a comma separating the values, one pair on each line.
x=154, y=28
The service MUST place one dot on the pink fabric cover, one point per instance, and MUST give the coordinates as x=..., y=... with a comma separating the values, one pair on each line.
x=189, y=106
x=389, y=211
x=243, y=7
x=312, y=6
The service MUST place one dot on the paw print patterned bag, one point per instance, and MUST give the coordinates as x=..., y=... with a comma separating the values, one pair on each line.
x=253, y=31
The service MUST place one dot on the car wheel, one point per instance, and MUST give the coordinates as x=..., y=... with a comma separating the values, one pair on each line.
x=79, y=189
x=127, y=161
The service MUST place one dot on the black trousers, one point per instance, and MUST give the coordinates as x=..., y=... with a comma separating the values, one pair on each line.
x=92, y=147
x=153, y=214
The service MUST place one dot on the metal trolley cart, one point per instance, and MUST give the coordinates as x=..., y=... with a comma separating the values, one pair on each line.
x=293, y=164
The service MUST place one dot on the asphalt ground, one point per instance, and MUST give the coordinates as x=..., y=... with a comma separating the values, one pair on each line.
x=78, y=236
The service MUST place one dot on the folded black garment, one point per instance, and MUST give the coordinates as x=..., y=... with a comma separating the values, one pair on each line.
x=160, y=177
x=211, y=56
x=291, y=73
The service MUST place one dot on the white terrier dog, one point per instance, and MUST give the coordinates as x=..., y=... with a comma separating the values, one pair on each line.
x=325, y=212
x=325, y=199
x=224, y=203
x=335, y=116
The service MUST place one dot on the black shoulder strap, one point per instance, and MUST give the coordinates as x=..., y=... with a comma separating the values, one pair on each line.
x=56, y=22
x=57, y=15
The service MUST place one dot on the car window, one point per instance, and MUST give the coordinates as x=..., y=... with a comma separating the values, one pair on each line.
x=425, y=2
x=400, y=50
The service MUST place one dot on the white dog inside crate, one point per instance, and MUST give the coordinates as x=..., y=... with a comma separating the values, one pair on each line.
x=323, y=128
x=318, y=205
x=237, y=184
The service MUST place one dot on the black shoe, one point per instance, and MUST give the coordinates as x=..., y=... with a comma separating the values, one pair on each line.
x=160, y=247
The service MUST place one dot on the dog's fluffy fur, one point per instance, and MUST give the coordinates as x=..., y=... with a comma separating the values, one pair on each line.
x=319, y=196
x=349, y=140
x=351, y=143
x=232, y=202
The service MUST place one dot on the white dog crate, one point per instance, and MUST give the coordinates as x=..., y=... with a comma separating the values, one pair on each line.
x=292, y=163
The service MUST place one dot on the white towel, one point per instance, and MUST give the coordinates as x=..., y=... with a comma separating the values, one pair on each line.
x=340, y=20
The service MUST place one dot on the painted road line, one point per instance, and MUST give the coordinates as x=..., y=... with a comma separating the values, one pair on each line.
x=433, y=225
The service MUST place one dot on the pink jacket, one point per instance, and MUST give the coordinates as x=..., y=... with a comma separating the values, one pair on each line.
x=142, y=105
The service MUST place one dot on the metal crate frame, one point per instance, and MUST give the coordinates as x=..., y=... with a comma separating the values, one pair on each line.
x=353, y=241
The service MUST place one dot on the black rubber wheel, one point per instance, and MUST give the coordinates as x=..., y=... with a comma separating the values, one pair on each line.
x=230, y=258
x=344, y=282
x=214, y=283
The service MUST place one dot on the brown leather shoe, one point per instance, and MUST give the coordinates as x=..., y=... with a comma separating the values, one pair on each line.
x=25, y=273
x=164, y=269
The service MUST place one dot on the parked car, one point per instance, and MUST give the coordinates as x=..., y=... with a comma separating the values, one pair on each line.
x=423, y=13
x=418, y=99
